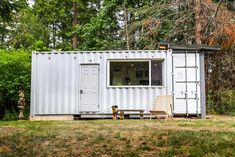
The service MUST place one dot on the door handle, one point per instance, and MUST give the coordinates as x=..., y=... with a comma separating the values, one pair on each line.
x=81, y=91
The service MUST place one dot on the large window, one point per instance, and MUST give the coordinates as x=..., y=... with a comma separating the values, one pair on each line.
x=135, y=73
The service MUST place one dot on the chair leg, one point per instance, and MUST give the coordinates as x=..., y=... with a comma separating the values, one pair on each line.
x=121, y=115
x=157, y=117
x=141, y=115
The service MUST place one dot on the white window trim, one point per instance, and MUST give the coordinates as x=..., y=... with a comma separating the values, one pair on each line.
x=136, y=60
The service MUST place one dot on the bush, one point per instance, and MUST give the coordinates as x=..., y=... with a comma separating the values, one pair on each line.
x=228, y=101
x=221, y=102
x=10, y=115
x=15, y=74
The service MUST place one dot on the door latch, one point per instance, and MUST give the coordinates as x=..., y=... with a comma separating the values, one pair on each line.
x=81, y=91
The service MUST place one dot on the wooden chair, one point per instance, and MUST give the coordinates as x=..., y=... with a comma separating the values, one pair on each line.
x=162, y=107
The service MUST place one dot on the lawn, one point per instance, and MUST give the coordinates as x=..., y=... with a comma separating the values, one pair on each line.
x=178, y=137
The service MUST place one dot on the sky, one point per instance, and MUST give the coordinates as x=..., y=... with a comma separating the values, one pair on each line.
x=30, y=2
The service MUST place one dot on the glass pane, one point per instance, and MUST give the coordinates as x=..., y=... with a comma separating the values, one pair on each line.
x=129, y=73
x=156, y=73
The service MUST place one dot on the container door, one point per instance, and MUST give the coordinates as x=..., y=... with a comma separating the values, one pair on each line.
x=89, y=91
x=186, y=85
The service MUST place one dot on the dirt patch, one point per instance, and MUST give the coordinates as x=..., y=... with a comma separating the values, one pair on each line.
x=180, y=128
x=224, y=118
x=9, y=129
x=5, y=149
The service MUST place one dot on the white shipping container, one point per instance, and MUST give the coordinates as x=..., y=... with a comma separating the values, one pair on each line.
x=90, y=82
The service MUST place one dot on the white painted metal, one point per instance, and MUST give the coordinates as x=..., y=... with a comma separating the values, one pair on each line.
x=57, y=79
x=55, y=87
x=186, y=83
x=89, y=88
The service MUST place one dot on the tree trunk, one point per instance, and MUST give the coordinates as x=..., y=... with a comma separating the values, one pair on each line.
x=74, y=23
x=3, y=34
x=198, y=29
x=126, y=28
x=53, y=34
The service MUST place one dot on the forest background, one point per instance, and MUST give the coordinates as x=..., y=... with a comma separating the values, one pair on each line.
x=44, y=25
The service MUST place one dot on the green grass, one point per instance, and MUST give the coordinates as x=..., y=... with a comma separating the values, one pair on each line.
x=131, y=138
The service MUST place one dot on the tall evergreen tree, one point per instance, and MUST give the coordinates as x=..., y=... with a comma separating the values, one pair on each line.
x=62, y=17
x=8, y=12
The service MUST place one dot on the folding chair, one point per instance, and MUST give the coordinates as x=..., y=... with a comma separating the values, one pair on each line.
x=162, y=107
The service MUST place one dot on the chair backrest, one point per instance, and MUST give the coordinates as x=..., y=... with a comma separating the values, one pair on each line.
x=163, y=103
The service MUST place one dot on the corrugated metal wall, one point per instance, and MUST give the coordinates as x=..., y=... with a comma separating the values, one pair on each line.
x=56, y=76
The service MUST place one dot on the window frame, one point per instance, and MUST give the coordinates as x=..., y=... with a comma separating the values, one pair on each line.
x=137, y=60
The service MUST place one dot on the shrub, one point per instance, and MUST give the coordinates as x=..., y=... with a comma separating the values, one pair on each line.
x=10, y=115
x=14, y=75
x=221, y=102
x=228, y=101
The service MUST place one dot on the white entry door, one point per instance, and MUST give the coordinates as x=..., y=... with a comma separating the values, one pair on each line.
x=186, y=83
x=89, y=88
